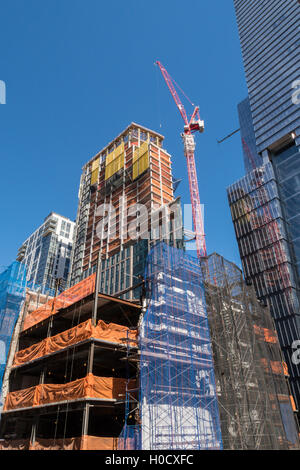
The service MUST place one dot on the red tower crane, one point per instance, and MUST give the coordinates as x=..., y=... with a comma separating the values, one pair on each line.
x=195, y=124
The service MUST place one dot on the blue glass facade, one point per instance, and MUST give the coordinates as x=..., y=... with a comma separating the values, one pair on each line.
x=287, y=169
x=248, y=136
x=269, y=35
x=265, y=205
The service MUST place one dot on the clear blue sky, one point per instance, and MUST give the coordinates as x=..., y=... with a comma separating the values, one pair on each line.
x=79, y=71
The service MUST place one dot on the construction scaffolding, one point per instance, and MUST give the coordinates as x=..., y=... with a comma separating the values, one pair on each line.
x=253, y=394
x=178, y=401
x=12, y=294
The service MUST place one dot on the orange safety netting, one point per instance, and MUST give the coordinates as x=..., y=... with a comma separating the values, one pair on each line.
x=71, y=443
x=293, y=403
x=277, y=367
x=267, y=335
x=285, y=398
x=105, y=331
x=285, y=368
x=88, y=387
x=66, y=298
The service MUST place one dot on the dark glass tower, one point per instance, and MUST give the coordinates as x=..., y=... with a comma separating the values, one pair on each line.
x=265, y=204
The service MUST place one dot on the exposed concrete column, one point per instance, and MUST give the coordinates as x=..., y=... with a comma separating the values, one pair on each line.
x=85, y=421
x=33, y=431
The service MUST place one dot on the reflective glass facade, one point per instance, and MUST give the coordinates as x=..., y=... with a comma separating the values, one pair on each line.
x=287, y=169
x=265, y=204
x=270, y=40
x=267, y=255
x=248, y=136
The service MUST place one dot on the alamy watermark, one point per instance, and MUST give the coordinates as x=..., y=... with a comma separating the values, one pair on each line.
x=138, y=222
x=296, y=354
x=2, y=92
x=296, y=93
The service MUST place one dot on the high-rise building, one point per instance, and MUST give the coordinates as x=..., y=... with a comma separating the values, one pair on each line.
x=126, y=202
x=265, y=204
x=46, y=253
x=269, y=35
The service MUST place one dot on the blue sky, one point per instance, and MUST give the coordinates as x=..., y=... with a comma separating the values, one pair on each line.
x=78, y=72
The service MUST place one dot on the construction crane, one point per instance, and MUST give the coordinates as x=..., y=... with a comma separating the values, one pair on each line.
x=195, y=124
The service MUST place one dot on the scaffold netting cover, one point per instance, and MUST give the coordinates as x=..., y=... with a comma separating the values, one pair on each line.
x=179, y=408
x=12, y=294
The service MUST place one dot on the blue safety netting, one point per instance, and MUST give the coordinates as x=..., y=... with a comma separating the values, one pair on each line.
x=178, y=402
x=130, y=437
x=12, y=294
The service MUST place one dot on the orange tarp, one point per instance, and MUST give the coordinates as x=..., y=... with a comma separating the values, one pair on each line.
x=285, y=368
x=66, y=298
x=105, y=331
x=71, y=443
x=268, y=335
x=276, y=366
x=87, y=387
x=99, y=443
x=293, y=403
x=20, y=444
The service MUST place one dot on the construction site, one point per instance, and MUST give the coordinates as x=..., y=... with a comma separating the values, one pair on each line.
x=195, y=365
x=149, y=348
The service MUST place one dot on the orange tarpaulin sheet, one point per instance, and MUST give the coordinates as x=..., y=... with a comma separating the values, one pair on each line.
x=285, y=368
x=105, y=331
x=276, y=366
x=293, y=403
x=66, y=298
x=20, y=444
x=71, y=443
x=268, y=335
x=99, y=443
x=88, y=387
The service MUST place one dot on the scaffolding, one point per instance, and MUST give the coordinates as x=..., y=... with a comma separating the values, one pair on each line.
x=178, y=401
x=12, y=294
x=253, y=394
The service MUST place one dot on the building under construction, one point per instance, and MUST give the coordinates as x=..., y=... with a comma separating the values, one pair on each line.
x=255, y=403
x=197, y=365
x=126, y=202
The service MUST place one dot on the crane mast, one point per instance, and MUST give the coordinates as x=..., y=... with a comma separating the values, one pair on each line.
x=195, y=124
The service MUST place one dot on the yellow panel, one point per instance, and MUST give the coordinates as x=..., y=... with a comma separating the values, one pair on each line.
x=140, y=165
x=95, y=164
x=135, y=173
x=94, y=177
x=119, y=162
x=108, y=171
x=135, y=155
x=119, y=150
x=109, y=158
x=139, y=151
x=143, y=148
x=143, y=163
x=114, y=165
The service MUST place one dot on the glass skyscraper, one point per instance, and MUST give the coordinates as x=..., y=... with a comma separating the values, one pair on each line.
x=265, y=204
